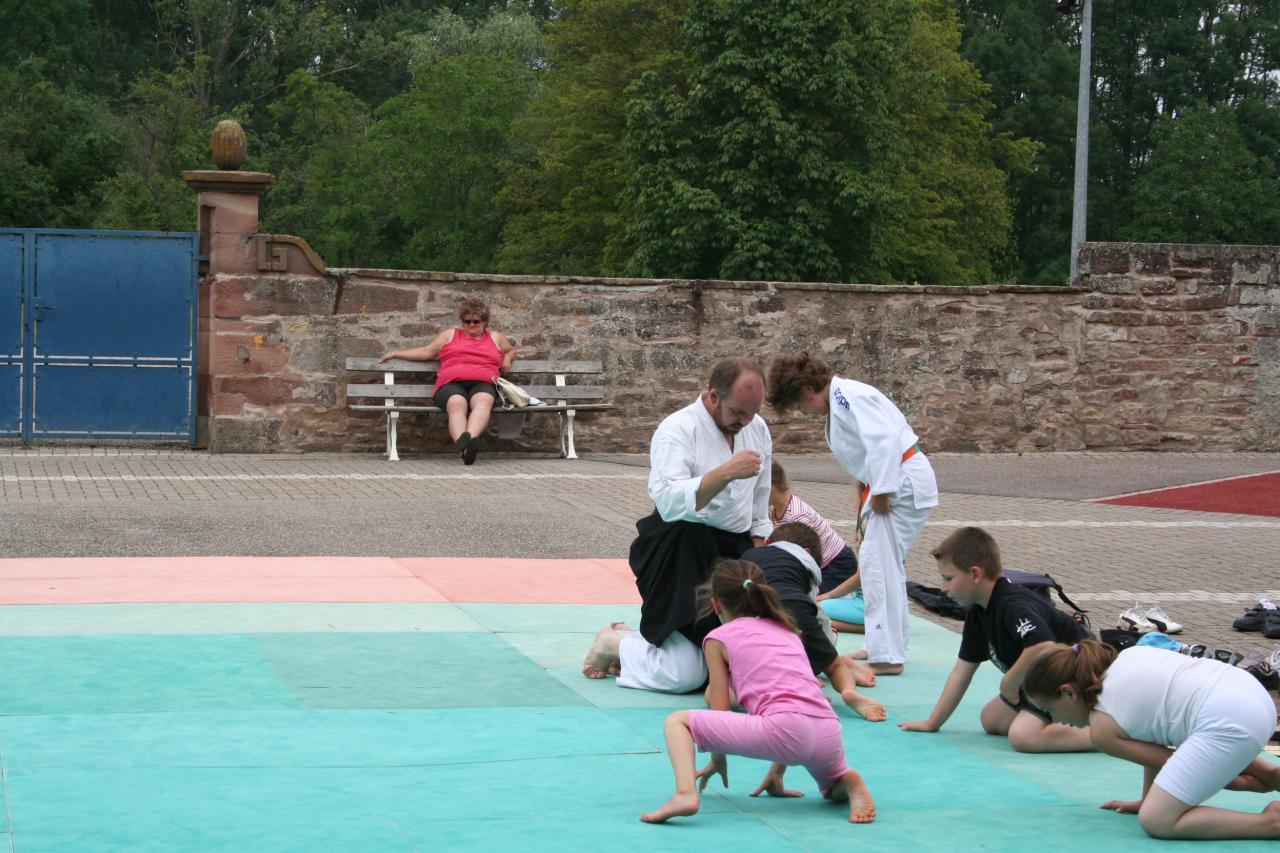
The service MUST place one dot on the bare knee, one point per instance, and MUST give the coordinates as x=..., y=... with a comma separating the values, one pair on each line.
x=677, y=718
x=1023, y=741
x=1157, y=826
x=995, y=718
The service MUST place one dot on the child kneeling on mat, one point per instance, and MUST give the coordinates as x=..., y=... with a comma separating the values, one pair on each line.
x=789, y=563
x=1004, y=623
x=757, y=654
x=840, y=593
x=1195, y=725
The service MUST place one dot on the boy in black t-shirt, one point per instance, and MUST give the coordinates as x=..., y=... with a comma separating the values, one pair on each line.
x=1008, y=625
x=790, y=566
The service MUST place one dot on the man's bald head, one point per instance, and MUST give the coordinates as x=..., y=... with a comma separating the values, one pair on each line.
x=735, y=393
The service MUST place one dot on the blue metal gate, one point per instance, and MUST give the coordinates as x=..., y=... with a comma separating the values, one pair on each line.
x=97, y=335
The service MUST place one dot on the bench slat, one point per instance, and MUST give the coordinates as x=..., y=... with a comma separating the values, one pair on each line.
x=533, y=410
x=399, y=365
x=542, y=392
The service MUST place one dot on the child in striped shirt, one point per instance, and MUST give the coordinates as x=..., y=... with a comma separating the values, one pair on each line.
x=840, y=594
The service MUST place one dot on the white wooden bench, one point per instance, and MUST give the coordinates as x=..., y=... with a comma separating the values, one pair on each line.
x=560, y=398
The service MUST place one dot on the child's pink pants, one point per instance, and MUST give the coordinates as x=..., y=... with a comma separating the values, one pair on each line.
x=814, y=743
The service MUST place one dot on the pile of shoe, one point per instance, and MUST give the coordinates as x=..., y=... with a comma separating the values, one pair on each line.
x=1142, y=619
x=1264, y=617
x=1264, y=666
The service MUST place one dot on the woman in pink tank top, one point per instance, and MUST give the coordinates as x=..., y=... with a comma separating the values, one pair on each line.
x=470, y=356
x=757, y=653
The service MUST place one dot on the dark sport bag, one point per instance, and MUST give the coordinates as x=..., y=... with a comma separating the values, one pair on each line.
x=934, y=600
x=1042, y=583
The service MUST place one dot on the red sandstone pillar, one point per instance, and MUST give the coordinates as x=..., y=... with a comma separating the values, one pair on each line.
x=228, y=215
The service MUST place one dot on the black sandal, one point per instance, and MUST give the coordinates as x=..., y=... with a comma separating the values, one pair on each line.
x=471, y=451
x=1227, y=656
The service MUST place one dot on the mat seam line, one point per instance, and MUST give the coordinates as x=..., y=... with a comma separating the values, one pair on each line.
x=8, y=816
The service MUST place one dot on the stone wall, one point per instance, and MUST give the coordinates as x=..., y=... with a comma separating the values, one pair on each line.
x=1154, y=347
x=1181, y=347
x=1157, y=347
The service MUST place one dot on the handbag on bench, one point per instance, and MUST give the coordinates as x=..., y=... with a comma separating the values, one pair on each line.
x=513, y=396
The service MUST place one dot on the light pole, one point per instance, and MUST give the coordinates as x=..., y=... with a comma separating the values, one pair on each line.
x=1080, y=196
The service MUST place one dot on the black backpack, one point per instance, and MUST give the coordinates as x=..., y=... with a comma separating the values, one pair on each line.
x=936, y=601
x=1042, y=583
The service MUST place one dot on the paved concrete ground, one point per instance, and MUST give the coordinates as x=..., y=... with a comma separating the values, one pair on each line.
x=1204, y=568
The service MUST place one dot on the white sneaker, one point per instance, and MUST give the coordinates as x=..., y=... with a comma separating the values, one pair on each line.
x=1254, y=657
x=1135, y=619
x=1161, y=620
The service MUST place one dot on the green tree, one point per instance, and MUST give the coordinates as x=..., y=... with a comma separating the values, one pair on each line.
x=953, y=224
x=416, y=188
x=563, y=191
x=1156, y=62
x=766, y=164
x=1204, y=185
x=319, y=129
x=167, y=132
x=1152, y=60
x=1025, y=53
x=57, y=144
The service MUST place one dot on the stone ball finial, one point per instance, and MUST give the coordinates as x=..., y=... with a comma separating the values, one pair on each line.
x=228, y=145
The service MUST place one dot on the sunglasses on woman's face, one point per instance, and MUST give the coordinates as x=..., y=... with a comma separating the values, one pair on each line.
x=473, y=322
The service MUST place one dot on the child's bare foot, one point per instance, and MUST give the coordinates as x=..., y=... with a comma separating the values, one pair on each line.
x=602, y=659
x=1245, y=782
x=680, y=805
x=864, y=706
x=1272, y=811
x=1268, y=775
x=858, y=654
x=863, y=674
x=862, y=809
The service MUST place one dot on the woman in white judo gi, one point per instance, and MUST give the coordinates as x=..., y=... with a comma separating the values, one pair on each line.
x=874, y=443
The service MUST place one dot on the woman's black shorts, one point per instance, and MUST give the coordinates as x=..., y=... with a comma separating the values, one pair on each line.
x=463, y=388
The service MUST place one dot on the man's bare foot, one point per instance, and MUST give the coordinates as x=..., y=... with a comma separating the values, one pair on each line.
x=862, y=809
x=680, y=805
x=602, y=659
x=864, y=706
x=887, y=668
x=858, y=654
x=863, y=674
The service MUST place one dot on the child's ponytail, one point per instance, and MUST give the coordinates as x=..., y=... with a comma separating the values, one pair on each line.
x=1083, y=665
x=741, y=589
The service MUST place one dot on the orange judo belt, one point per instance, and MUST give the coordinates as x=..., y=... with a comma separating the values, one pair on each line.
x=866, y=489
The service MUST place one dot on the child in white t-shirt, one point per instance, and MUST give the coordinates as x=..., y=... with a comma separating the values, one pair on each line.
x=1195, y=725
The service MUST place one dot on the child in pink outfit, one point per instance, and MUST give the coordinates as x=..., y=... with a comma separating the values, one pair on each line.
x=757, y=653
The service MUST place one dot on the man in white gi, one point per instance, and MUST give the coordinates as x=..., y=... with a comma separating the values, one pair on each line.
x=709, y=479
x=874, y=443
